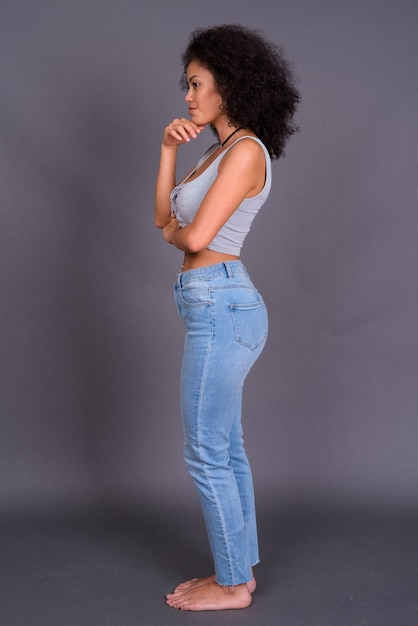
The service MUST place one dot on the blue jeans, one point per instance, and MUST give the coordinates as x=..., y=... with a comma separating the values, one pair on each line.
x=226, y=329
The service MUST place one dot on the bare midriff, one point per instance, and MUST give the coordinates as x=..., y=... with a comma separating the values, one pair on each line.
x=205, y=257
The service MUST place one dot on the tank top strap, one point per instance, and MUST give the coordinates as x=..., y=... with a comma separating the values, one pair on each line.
x=202, y=159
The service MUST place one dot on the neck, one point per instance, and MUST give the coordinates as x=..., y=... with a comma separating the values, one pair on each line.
x=229, y=136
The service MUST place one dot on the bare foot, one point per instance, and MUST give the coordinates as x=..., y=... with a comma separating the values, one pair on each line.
x=210, y=597
x=197, y=582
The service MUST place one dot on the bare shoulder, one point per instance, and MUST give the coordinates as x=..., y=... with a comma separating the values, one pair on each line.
x=246, y=151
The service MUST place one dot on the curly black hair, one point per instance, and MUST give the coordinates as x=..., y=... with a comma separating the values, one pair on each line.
x=253, y=78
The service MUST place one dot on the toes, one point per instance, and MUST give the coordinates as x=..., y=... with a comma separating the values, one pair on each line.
x=175, y=599
x=175, y=604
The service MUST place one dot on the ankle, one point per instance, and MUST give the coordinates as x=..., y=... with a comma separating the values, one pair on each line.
x=233, y=588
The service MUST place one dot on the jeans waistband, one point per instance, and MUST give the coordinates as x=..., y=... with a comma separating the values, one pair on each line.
x=228, y=269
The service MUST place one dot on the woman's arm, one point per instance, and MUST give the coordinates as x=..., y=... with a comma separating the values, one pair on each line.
x=178, y=132
x=241, y=174
x=166, y=181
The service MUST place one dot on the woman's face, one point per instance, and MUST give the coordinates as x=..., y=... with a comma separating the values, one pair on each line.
x=203, y=98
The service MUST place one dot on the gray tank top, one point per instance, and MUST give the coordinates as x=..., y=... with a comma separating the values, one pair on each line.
x=186, y=198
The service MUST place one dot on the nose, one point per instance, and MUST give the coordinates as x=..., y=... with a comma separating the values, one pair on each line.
x=188, y=97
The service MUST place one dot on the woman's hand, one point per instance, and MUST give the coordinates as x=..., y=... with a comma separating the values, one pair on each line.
x=170, y=229
x=180, y=131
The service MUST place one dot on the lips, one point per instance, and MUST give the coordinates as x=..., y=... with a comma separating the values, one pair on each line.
x=192, y=110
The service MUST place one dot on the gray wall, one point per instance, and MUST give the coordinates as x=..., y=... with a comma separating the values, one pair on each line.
x=90, y=340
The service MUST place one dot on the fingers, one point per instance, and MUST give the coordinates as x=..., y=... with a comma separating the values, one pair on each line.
x=174, y=224
x=181, y=130
x=170, y=228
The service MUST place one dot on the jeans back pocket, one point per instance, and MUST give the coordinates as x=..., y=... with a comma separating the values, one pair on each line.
x=250, y=323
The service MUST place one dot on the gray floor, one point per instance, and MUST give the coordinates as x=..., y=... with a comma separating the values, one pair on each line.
x=319, y=568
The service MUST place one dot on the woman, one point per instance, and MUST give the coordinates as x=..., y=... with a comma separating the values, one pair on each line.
x=241, y=86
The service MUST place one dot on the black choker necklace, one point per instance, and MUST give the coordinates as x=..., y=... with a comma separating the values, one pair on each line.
x=229, y=136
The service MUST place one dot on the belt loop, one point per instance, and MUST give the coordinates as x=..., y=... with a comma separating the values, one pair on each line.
x=228, y=269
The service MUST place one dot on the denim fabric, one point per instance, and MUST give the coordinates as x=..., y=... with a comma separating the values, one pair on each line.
x=226, y=329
